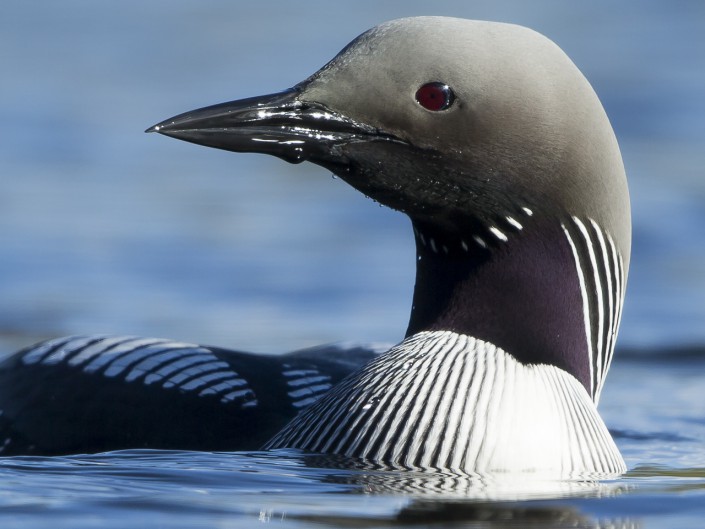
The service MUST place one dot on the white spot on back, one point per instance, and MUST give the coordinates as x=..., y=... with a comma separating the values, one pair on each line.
x=309, y=390
x=307, y=381
x=189, y=359
x=103, y=359
x=123, y=361
x=151, y=363
x=514, y=222
x=299, y=373
x=99, y=348
x=66, y=346
x=197, y=382
x=497, y=233
x=479, y=241
x=179, y=378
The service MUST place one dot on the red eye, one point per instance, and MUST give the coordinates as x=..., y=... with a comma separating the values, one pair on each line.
x=435, y=96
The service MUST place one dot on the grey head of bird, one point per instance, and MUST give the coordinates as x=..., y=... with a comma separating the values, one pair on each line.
x=495, y=145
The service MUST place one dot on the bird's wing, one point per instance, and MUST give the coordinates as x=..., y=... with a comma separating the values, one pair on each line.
x=86, y=394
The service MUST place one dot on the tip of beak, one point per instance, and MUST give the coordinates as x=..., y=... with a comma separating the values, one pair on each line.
x=154, y=128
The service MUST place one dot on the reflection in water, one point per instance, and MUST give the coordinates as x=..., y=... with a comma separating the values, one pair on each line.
x=375, y=477
x=485, y=515
x=304, y=490
x=500, y=500
x=496, y=515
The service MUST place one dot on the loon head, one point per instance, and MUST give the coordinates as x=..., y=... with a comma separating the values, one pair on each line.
x=495, y=145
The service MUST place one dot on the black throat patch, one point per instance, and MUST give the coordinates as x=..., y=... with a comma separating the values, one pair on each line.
x=513, y=284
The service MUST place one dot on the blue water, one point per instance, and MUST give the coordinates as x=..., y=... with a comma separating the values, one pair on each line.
x=104, y=229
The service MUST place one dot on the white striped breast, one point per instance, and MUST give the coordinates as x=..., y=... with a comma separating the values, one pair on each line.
x=448, y=401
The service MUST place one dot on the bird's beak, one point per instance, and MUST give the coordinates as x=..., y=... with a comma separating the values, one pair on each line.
x=279, y=124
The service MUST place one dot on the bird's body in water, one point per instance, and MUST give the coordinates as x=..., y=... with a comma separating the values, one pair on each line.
x=496, y=147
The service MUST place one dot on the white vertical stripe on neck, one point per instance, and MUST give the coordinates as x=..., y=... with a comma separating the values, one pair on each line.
x=600, y=272
x=586, y=306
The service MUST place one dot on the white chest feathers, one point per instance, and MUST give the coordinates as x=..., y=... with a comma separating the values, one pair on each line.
x=440, y=400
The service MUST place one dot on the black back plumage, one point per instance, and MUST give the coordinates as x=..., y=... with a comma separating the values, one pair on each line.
x=100, y=393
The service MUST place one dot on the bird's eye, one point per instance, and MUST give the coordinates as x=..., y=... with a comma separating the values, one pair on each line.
x=435, y=96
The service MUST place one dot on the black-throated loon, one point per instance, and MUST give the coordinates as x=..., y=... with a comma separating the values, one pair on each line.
x=494, y=144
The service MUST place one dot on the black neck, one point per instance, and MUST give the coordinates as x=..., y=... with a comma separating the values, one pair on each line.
x=521, y=294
